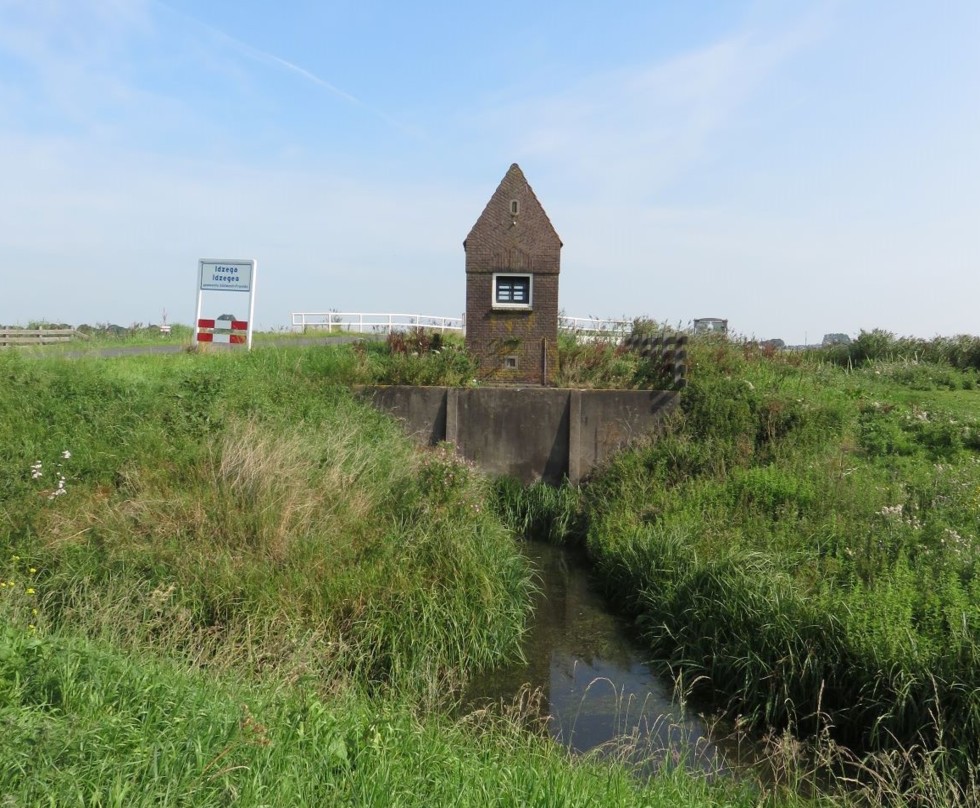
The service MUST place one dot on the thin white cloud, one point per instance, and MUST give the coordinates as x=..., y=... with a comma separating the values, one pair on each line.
x=265, y=57
x=259, y=55
x=262, y=55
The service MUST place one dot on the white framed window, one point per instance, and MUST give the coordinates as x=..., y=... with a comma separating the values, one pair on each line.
x=511, y=291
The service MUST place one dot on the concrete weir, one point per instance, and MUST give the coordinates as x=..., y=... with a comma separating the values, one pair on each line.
x=530, y=433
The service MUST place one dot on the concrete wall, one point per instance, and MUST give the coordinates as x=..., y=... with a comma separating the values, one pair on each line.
x=519, y=432
x=604, y=421
x=528, y=433
x=421, y=411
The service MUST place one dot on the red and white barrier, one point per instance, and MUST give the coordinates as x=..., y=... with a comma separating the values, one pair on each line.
x=225, y=275
x=222, y=331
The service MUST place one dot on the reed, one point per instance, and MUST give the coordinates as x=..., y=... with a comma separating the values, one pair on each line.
x=538, y=511
x=804, y=540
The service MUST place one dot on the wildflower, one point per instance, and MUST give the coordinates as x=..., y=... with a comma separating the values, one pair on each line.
x=32, y=570
x=60, y=489
x=66, y=455
x=30, y=590
x=36, y=470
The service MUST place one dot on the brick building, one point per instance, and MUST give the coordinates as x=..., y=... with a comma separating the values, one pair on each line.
x=512, y=263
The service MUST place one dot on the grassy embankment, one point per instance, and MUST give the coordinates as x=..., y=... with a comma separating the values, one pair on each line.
x=94, y=340
x=802, y=545
x=254, y=590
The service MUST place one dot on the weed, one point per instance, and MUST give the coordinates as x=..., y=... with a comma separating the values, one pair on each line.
x=792, y=536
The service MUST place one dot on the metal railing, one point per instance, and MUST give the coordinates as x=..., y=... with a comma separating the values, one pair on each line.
x=372, y=323
x=595, y=327
x=383, y=323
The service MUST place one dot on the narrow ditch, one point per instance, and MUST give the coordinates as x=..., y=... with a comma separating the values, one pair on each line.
x=591, y=680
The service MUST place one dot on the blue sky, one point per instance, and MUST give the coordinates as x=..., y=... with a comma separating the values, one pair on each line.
x=796, y=167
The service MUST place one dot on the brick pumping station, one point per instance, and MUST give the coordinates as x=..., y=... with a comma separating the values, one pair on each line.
x=516, y=422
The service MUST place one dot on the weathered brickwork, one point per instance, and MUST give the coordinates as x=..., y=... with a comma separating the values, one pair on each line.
x=517, y=345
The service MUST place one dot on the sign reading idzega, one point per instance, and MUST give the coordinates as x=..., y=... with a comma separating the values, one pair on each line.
x=226, y=276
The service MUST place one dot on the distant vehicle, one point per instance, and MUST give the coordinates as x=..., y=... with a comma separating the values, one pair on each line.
x=835, y=339
x=710, y=325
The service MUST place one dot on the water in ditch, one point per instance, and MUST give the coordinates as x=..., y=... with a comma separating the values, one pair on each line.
x=595, y=687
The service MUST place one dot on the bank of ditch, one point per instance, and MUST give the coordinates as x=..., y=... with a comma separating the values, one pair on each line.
x=801, y=542
x=224, y=579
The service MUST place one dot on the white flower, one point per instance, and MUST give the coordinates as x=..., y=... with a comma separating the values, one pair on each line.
x=60, y=490
x=66, y=454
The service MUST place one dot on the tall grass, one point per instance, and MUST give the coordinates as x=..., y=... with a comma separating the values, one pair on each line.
x=85, y=725
x=240, y=530
x=538, y=511
x=607, y=362
x=804, y=539
x=961, y=352
x=255, y=505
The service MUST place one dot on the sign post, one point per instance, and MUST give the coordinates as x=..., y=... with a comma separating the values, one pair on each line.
x=231, y=275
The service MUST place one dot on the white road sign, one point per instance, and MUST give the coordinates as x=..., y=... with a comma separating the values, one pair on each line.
x=226, y=276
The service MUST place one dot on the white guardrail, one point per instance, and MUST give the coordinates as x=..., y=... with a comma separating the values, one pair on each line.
x=383, y=323
x=372, y=323
x=595, y=326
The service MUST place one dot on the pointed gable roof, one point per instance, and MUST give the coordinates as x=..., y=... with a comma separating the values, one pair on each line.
x=500, y=232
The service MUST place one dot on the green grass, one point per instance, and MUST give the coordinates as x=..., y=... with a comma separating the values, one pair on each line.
x=85, y=725
x=266, y=500
x=803, y=542
x=256, y=590
x=609, y=364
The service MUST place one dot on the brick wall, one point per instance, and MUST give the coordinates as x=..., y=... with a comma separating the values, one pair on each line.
x=524, y=243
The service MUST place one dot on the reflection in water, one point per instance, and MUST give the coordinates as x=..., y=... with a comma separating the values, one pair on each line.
x=595, y=688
